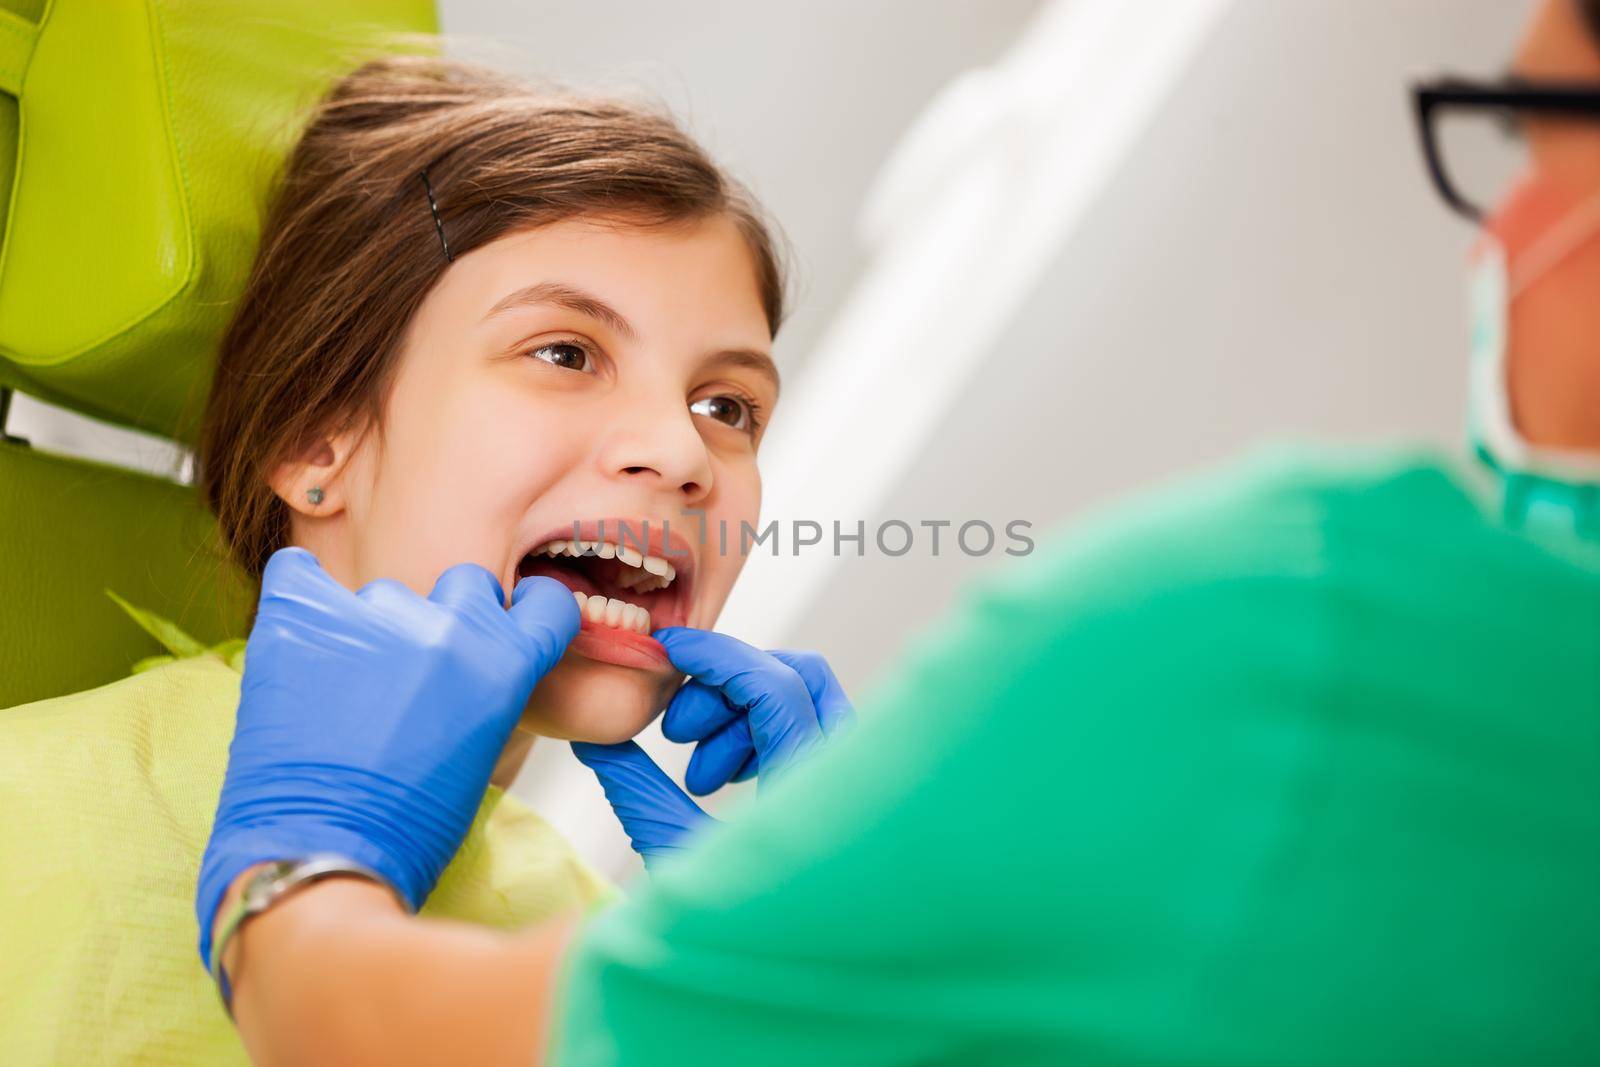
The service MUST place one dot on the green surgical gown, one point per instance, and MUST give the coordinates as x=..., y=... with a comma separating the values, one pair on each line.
x=1298, y=764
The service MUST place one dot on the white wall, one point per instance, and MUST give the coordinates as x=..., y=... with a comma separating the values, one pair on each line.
x=1269, y=262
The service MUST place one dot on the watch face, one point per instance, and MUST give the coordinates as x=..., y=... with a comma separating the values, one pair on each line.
x=259, y=890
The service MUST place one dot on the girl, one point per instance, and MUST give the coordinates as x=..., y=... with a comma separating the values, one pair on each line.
x=485, y=324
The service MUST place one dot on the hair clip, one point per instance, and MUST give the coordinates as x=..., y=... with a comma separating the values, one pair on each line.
x=437, y=224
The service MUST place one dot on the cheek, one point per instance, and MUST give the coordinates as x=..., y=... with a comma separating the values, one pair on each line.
x=1526, y=213
x=1565, y=153
x=1555, y=318
x=739, y=489
x=457, y=473
x=737, y=505
x=1560, y=304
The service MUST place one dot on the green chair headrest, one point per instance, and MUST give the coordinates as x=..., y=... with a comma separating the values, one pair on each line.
x=141, y=138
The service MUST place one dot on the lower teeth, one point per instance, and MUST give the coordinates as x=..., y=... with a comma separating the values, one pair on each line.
x=617, y=614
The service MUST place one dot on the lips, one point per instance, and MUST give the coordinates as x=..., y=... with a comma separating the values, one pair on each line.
x=629, y=575
x=620, y=648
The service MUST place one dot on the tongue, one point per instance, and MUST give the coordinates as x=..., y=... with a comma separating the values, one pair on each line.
x=578, y=580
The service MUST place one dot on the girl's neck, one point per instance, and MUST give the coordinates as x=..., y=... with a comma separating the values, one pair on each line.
x=512, y=757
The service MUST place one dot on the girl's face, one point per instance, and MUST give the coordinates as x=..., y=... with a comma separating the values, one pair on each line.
x=584, y=376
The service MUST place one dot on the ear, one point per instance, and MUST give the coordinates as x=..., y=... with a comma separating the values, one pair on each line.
x=312, y=482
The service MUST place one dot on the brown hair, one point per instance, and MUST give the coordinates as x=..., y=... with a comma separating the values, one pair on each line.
x=350, y=248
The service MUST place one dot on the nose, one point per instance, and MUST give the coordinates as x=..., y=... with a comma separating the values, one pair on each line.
x=658, y=443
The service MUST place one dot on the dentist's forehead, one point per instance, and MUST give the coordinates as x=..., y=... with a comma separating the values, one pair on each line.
x=1557, y=46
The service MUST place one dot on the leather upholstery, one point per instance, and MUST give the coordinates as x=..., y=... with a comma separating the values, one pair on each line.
x=70, y=530
x=138, y=142
x=148, y=134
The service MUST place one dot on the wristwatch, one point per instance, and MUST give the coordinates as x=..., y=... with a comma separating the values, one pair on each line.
x=272, y=883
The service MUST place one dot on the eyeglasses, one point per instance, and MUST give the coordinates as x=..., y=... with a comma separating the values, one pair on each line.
x=1472, y=132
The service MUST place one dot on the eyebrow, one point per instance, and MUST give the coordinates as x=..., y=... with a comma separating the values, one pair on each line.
x=583, y=303
x=568, y=297
x=751, y=359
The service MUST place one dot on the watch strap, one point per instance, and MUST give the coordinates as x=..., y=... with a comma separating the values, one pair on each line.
x=272, y=883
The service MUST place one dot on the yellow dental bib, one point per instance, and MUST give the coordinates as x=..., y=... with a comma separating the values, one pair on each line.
x=109, y=796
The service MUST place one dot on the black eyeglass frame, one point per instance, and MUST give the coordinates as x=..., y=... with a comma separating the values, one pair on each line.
x=1578, y=100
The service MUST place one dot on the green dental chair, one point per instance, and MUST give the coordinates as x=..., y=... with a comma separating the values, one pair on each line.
x=138, y=142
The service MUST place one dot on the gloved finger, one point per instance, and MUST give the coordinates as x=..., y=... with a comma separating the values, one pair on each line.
x=748, y=771
x=388, y=594
x=654, y=812
x=633, y=782
x=695, y=713
x=783, y=721
x=545, y=611
x=834, y=709
x=295, y=574
x=745, y=674
x=719, y=757
x=468, y=586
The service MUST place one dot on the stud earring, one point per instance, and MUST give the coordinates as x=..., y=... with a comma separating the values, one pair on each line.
x=314, y=494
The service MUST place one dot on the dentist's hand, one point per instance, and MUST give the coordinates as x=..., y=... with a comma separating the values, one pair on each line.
x=369, y=722
x=750, y=712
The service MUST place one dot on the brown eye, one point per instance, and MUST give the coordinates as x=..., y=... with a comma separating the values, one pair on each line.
x=728, y=410
x=566, y=354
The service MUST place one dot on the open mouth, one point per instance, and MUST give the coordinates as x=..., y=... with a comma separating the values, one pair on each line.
x=628, y=577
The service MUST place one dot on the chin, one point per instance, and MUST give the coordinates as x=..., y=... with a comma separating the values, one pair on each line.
x=583, y=699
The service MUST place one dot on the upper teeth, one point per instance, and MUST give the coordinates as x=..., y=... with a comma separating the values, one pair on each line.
x=647, y=573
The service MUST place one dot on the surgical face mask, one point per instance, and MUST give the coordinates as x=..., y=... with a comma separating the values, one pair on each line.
x=1494, y=285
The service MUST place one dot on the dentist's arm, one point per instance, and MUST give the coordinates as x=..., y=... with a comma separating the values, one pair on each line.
x=337, y=974
x=368, y=727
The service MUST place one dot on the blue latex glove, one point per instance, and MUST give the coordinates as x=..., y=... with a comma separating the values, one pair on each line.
x=749, y=712
x=369, y=722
